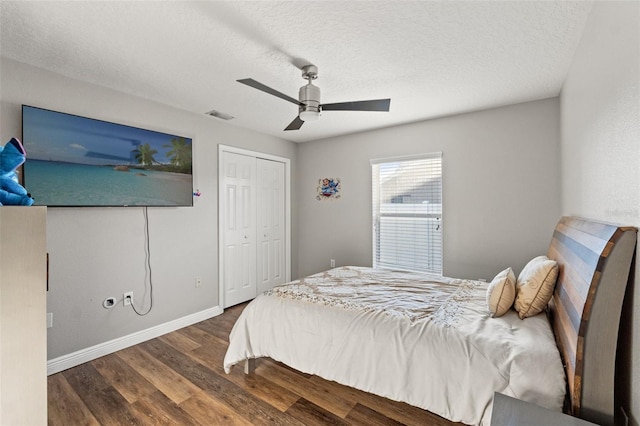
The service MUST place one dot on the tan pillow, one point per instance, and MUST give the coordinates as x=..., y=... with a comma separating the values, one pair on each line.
x=501, y=293
x=535, y=286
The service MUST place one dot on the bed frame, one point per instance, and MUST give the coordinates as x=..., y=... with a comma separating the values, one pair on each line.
x=595, y=260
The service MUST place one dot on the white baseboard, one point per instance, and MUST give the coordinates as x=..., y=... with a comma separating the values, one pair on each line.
x=85, y=355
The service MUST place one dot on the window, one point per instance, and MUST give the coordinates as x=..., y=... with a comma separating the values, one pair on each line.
x=407, y=213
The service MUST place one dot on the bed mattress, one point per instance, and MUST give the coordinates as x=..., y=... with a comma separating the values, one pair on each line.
x=422, y=339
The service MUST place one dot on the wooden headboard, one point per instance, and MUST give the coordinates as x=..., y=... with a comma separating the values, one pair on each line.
x=594, y=260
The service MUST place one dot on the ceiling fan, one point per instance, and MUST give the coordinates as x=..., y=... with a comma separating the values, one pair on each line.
x=309, y=106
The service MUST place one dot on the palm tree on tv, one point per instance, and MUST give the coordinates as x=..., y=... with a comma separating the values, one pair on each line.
x=180, y=153
x=144, y=154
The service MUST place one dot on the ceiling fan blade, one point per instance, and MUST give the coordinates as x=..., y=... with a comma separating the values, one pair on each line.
x=257, y=85
x=295, y=124
x=372, y=105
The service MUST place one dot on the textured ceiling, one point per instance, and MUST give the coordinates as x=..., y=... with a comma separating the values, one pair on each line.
x=432, y=58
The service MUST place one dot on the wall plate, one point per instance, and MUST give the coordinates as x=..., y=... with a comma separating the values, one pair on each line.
x=109, y=302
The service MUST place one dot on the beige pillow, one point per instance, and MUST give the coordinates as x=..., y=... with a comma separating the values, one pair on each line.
x=501, y=293
x=535, y=286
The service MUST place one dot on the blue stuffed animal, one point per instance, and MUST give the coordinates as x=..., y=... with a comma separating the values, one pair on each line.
x=11, y=192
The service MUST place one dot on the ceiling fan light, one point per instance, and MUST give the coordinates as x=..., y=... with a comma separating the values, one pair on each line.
x=309, y=115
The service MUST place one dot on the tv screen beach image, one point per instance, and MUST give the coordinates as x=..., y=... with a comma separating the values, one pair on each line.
x=78, y=161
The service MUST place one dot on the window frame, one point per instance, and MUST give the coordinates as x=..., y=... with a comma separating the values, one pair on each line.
x=429, y=212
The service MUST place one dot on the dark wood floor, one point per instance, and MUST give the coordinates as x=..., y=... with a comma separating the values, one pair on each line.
x=178, y=379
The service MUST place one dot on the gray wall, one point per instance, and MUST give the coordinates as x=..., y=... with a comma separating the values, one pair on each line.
x=600, y=107
x=501, y=197
x=99, y=252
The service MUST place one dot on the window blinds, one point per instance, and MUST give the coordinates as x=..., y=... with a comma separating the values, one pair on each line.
x=407, y=213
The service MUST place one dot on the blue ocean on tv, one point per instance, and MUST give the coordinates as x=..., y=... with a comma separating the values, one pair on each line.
x=69, y=184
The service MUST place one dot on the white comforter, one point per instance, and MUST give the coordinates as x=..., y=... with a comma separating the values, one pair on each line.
x=417, y=338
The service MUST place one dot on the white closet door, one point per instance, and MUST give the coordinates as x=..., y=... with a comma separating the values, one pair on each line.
x=271, y=224
x=239, y=209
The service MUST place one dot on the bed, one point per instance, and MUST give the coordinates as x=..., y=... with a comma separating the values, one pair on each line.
x=430, y=341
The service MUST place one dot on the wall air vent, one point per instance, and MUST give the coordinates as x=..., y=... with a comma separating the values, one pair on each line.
x=218, y=114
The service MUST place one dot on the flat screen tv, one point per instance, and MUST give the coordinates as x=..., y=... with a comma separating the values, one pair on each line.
x=75, y=161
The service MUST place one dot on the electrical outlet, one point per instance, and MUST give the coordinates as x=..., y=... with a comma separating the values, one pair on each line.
x=333, y=263
x=127, y=298
x=50, y=320
x=198, y=282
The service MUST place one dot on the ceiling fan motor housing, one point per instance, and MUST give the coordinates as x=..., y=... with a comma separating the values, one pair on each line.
x=309, y=96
